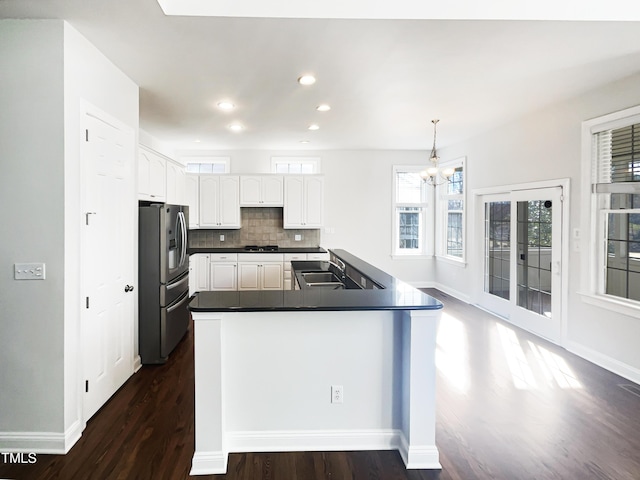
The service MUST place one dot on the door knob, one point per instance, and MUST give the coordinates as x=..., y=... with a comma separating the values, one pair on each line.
x=128, y=288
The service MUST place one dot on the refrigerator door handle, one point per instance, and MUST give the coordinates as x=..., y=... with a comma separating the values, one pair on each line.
x=183, y=238
x=177, y=305
x=182, y=282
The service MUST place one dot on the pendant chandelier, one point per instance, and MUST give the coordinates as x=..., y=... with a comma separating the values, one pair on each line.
x=434, y=175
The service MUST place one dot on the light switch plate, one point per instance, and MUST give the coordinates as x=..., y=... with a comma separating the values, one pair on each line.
x=29, y=271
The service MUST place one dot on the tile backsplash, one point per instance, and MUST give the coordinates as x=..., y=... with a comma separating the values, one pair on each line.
x=260, y=226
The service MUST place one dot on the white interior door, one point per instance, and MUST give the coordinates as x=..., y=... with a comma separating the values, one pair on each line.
x=522, y=259
x=108, y=258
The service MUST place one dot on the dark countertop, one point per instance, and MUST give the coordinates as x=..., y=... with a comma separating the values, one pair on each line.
x=193, y=251
x=395, y=295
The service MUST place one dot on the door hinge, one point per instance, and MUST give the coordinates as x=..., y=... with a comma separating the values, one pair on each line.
x=87, y=302
x=86, y=386
x=86, y=135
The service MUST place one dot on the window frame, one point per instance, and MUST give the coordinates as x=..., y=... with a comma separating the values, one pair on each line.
x=442, y=214
x=425, y=217
x=594, y=261
x=313, y=161
x=226, y=161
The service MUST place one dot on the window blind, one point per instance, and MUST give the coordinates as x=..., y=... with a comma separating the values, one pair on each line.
x=617, y=162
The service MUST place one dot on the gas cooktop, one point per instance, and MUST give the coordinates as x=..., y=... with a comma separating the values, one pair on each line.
x=263, y=248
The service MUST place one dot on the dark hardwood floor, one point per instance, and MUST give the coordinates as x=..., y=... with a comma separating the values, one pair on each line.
x=509, y=406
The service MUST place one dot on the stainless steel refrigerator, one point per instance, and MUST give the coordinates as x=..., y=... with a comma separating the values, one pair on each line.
x=163, y=277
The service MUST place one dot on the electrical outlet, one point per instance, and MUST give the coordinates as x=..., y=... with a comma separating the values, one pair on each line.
x=297, y=238
x=222, y=238
x=337, y=394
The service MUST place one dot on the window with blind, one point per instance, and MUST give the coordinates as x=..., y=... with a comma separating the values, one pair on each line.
x=409, y=212
x=616, y=187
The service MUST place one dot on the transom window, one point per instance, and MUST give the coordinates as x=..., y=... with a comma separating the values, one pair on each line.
x=295, y=165
x=207, y=164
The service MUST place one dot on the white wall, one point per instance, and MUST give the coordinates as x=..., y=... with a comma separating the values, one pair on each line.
x=358, y=196
x=88, y=77
x=47, y=67
x=546, y=145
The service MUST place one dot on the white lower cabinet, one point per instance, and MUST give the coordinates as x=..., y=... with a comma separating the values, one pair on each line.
x=287, y=274
x=223, y=272
x=244, y=271
x=260, y=271
x=199, y=273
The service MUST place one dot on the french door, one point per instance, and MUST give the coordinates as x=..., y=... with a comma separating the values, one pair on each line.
x=522, y=259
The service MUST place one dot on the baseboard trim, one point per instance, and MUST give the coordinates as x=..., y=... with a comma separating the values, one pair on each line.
x=209, y=463
x=312, y=440
x=41, y=442
x=137, y=363
x=604, y=361
x=463, y=297
x=419, y=457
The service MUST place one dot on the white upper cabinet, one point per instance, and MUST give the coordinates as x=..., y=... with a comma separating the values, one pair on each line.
x=219, y=201
x=303, y=201
x=176, y=183
x=152, y=171
x=261, y=191
x=192, y=193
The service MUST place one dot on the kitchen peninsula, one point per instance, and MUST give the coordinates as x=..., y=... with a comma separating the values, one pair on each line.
x=316, y=368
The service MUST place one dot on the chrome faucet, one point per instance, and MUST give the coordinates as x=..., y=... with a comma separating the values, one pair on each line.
x=341, y=268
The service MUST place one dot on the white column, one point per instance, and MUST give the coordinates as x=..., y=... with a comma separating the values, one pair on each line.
x=418, y=447
x=210, y=456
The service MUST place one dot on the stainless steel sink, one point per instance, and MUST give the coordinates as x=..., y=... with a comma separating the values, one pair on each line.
x=320, y=277
x=326, y=285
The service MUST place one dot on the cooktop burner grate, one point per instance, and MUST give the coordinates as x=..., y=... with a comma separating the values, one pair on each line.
x=261, y=248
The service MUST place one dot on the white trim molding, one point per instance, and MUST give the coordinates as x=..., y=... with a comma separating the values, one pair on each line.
x=41, y=442
x=209, y=463
x=312, y=440
x=604, y=361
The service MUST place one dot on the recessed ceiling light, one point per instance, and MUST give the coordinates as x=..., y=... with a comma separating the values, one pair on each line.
x=323, y=107
x=236, y=127
x=305, y=141
x=226, y=105
x=307, y=80
x=196, y=140
x=314, y=126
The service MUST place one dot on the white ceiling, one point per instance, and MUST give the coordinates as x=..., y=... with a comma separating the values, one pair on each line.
x=384, y=79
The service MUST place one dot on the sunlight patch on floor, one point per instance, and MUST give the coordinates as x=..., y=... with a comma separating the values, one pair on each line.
x=533, y=366
x=521, y=372
x=554, y=367
x=452, y=353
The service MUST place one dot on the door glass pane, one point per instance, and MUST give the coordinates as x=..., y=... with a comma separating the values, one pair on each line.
x=497, y=248
x=534, y=242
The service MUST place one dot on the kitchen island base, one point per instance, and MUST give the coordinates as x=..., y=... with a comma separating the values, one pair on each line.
x=263, y=383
